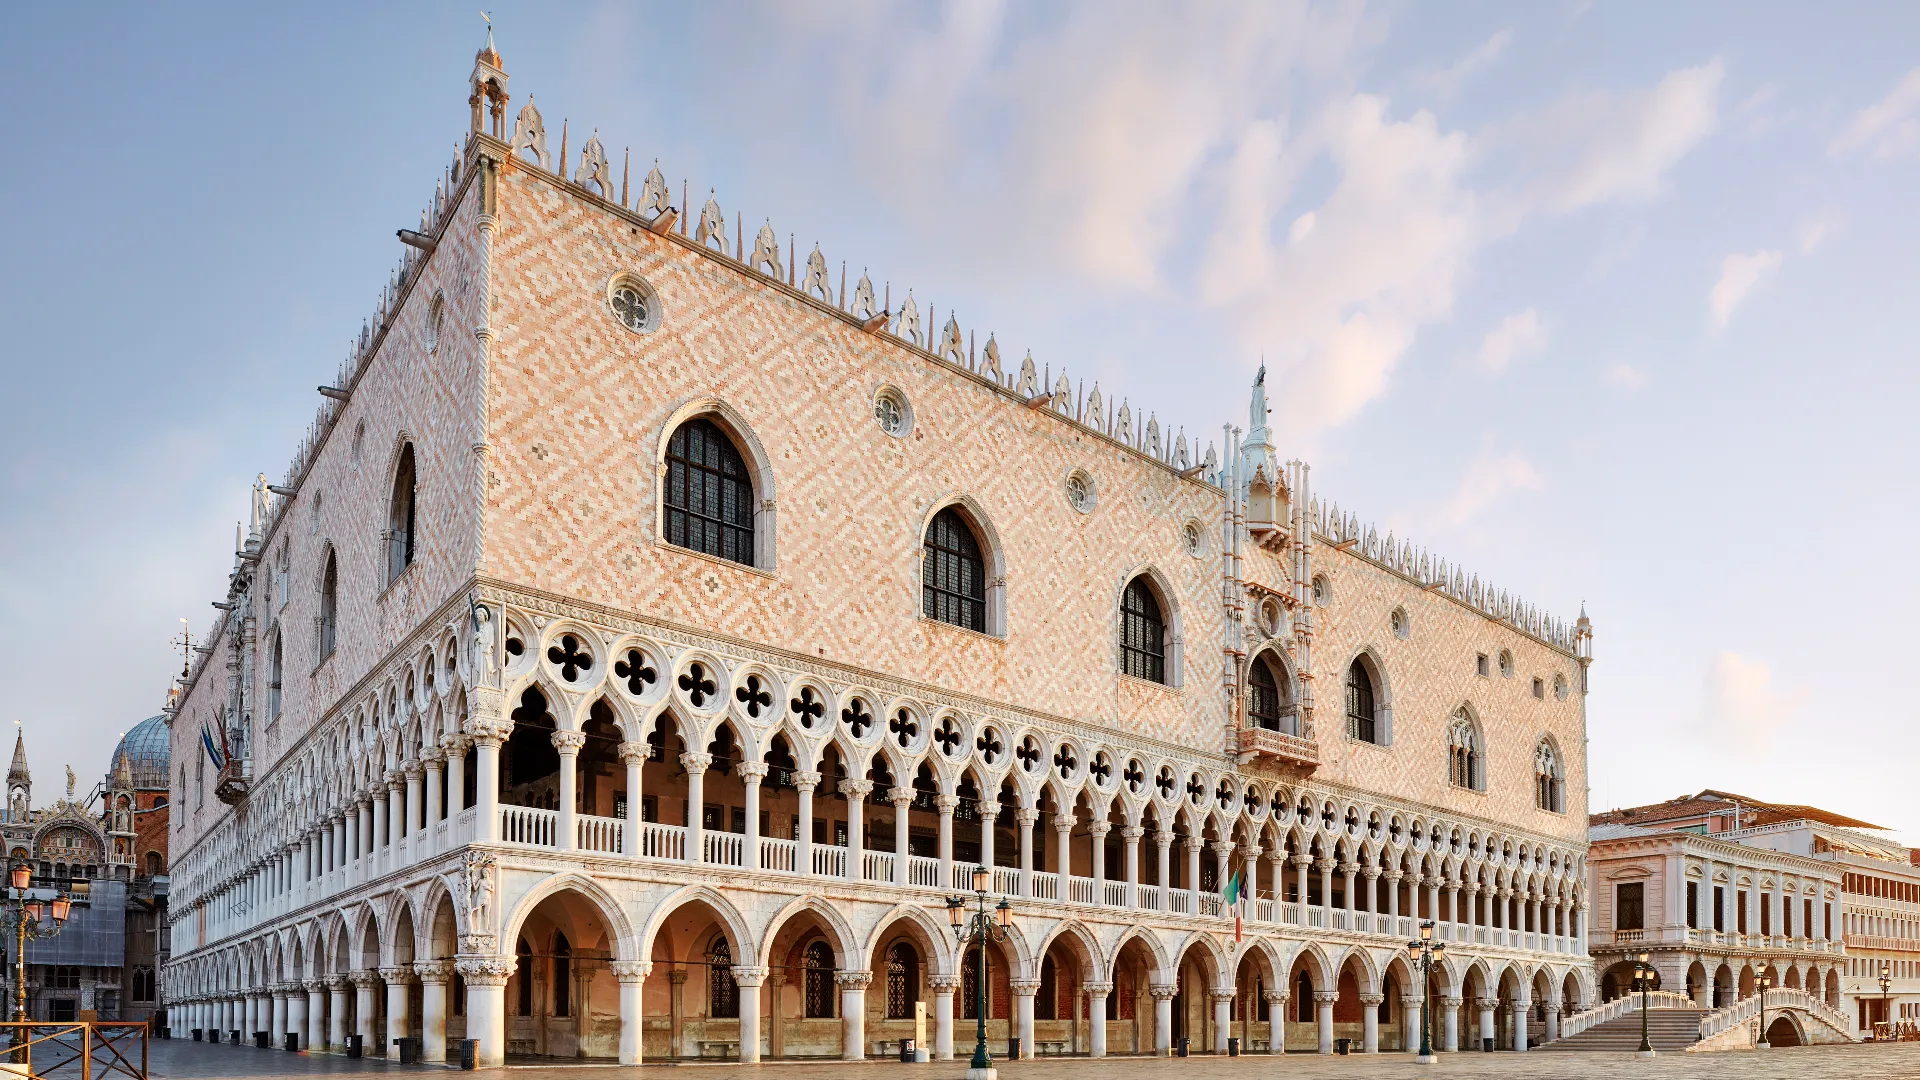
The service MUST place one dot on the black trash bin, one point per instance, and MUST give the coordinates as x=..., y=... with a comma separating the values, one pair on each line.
x=906, y=1051
x=1180, y=1048
x=1013, y=1048
x=263, y=1040
x=1486, y=1046
x=290, y=1042
x=196, y=1035
x=468, y=1054
x=1343, y=1046
x=409, y=1050
x=234, y=1036
x=1233, y=1046
x=354, y=1048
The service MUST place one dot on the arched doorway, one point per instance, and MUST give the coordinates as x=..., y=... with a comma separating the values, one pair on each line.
x=562, y=999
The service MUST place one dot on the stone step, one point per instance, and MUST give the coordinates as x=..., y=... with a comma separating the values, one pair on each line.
x=1667, y=1030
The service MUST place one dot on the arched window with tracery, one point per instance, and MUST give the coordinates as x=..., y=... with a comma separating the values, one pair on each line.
x=970, y=986
x=954, y=579
x=329, y=604
x=817, y=967
x=1360, y=709
x=723, y=995
x=1143, y=633
x=400, y=532
x=1267, y=704
x=275, y=676
x=1466, y=766
x=903, y=981
x=1549, y=780
x=709, y=497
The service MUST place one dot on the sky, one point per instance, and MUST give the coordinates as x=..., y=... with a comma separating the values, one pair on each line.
x=1610, y=304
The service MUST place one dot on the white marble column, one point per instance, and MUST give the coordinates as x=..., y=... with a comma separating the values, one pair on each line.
x=336, y=1013
x=853, y=1008
x=1370, y=1022
x=1023, y=991
x=277, y=1026
x=945, y=805
x=1410, y=1021
x=943, y=987
x=1097, y=839
x=567, y=827
x=633, y=976
x=633, y=755
x=751, y=773
x=363, y=1009
x=415, y=807
x=1026, y=816
x=1522, y=1008
x=1097, y=1018
x=696, y=766
x=296, y=1015
x=1323, y=1017
x=1276, y=1020
x=803, y=784
x=1162, y=1013
x=1450, y=1015
x=433, y=764
x=486, y=814
x=1486, y=1005
x=901, y=797
x=486, y=980
x=456, y=747
x=1163, y=843
x=1063, y=854
x=1194, y=844
x=316, y=1034
x=434, y=976
x=399, y=1021
x=1130, y=835
x=749, y=980
x=1222, y=1018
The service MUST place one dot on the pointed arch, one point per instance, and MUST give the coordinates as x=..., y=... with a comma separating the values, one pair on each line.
x=625, y=940
x=1085, y=947
x=848, y=946
x=935, y=938
x=754, y=522
x=1149, y=634
x=963, y=566
x=1369, y=699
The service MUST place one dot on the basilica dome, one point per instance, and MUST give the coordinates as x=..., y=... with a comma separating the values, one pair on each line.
x=147, y=749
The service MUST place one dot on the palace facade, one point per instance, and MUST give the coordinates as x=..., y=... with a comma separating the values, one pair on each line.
x=653, y=633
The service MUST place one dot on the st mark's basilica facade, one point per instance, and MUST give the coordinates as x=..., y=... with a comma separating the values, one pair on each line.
x=652, y=632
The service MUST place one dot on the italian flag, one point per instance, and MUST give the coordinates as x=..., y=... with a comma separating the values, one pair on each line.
x=1230, y=895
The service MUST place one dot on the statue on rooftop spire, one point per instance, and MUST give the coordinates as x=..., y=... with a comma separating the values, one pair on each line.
x=1257, y=409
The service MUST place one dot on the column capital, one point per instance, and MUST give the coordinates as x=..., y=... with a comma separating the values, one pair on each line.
x=1300, y=861
x=1451, y=1001
x=806, y=780
x=1097, y=989
x=745, y=975
x=1325, y=997
x=900, y=795
x=1099, y=828
x=677, y=976
x=456, y=745
x=946, y=804
x=1223, y=847
x=1487, y=1004
x=633, y=753
x=1274, y=997
x=568, y=742
x=396, y=975
x=432, y=757
x=397, y=777
x=337, y=983
x=484, y=970
x=852, y=980
x=1026, y=816
x=943, y=984
x=631, y=971
x=751, y=771
x=1131, y=833
x=1372, y=872
x=1024, y=987
x=315, y=986
x=1372, y=1001
x=1217, y=996
x=433, y=972
x=413, y=770
x=1394, y=876
x=696, y=762
x=1194, y=843
x=363, y=978
x=1162, y=991
x=1251, y=851
x=856, y=788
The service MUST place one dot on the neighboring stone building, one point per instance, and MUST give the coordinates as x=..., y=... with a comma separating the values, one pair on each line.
x=653, y=630
x=112, y=862
x=1718, y=888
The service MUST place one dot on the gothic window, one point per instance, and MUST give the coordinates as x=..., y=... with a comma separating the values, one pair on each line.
x=954, y=580
x=400, y=532
x=275, y=675
x=1360, y=710
x=709, y=493
x=723, y=997
x=903, y=981
x=523, y=1003
x=1549, y=782
x=970, y=986
x=1466, y=766
x=1142, y=633
x=817, y=967
x=329, y=604
x=562, y=975
x=1264, y=699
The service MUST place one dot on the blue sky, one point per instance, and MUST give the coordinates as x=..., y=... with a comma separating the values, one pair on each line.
x=1609, y=303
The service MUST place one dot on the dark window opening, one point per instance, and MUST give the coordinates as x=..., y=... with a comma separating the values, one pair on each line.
x=709, y=494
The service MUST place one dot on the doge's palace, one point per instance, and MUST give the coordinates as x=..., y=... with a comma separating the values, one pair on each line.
x=655, y=629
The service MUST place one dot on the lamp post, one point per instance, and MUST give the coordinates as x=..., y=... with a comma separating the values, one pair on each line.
x=1765, y=980
x=1886, y=986
x=980, y=926
x=1644, y=975
x=1425, y=953
x=33, y=913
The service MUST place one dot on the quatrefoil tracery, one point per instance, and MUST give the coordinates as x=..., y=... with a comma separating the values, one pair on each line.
x=990, y=746
x=1196, y=791
x=857, y=717
x=1100, y=769
x=754, y=696
x=636, y=671
x=1134, y=775
x=570, y=658
x=1065, y=762
x=904, y=727
x=1165, y=782
x=807, y=708
x=696, y=685
x=947, y=737
x=1029, y=754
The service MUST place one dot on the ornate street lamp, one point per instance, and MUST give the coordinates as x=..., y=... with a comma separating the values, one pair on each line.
x=1765, y=980
x=1426, y=952
x=1644, y=976
x=980, y=926
x=1886, y=985
x=32, y=913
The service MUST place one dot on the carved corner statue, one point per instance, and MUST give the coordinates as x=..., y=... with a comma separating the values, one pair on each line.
x=483, y=636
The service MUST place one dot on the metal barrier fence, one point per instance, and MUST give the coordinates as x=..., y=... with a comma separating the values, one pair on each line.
x=87, y=1049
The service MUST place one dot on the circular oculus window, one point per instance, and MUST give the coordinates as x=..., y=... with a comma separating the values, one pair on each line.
x=632, y=302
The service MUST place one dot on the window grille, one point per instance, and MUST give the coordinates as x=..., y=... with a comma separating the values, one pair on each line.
x=1360, y=712
x=709, y=494
x=1142, y=633
x=954, y=581
x=723, y=996
x=817, y=965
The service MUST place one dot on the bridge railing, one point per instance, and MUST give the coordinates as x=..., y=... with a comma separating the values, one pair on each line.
x=1745, y=1009
x=1619, y=1007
